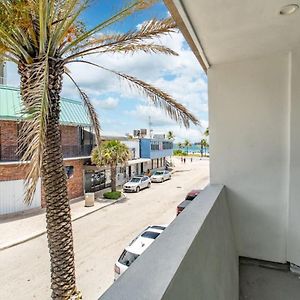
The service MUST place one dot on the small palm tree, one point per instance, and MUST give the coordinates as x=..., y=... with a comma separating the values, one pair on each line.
x=203, y=145
x=43, y=37
x=170, y=135
x=187, y=144
x=111, y=153
x=180, y=146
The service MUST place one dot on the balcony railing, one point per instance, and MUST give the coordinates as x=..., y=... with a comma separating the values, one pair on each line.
x=9, y=153
x=76, y=150
x=194, y=258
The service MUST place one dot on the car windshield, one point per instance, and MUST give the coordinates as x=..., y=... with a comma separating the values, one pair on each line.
x=127, y=258
x=159, y=173
x=150, y=235
x=135, y=179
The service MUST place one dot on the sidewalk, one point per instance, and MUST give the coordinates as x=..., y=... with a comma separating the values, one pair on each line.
x=25, y=226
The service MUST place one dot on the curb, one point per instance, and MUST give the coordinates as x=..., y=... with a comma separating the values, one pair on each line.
x=75, y=219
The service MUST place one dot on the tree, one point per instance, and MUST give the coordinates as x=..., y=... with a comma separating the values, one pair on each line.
x=187, y=144
x=180, y=146
x=203, y=145
x=170, y=135
x=111, y=153
x=43, y=37
x=206, y=132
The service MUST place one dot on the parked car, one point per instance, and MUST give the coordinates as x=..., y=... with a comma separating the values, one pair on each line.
x=137, y=183
x=188, y=198
x=136, y=248
x=160, y=176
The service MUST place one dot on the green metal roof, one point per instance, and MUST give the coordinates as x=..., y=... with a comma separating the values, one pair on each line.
x=72, y=111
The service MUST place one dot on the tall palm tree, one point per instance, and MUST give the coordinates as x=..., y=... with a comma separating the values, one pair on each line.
x=43, y=37
x=187, y=144
x=111, y=153
x=170, y=135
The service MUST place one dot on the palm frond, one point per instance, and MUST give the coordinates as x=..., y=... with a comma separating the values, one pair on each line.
x=146, y=48
x=33, y=132
x=90, y=109
x=129, y=9
x=175, y=110
x=131, y=41
x=72, y=10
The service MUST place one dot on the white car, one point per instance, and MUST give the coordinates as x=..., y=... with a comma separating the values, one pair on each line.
x=160, y=176
x=136, y=248
x=137, y=183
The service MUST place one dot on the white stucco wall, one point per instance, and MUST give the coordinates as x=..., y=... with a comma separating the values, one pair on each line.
x=249, y=147
x=133, y=144
x=293, y=246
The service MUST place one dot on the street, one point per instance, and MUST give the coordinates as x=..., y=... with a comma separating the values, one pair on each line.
x=99, y=238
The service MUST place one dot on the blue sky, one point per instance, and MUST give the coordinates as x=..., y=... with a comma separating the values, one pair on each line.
x=120, y=109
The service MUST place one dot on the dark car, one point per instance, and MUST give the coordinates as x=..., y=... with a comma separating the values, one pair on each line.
x=188, y=198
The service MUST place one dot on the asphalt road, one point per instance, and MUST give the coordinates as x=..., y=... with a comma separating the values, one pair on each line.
x=99, y=238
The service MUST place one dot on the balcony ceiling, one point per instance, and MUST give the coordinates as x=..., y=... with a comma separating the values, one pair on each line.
x=232, y=30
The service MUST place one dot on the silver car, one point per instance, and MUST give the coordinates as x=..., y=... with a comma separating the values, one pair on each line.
x=137, y=183
x=160, y=176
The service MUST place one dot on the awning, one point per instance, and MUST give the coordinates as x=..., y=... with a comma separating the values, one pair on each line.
x=138, y=161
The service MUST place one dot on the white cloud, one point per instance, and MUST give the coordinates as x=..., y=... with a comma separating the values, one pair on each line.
x=108, y=103
x=181, y=76
x=157, y=116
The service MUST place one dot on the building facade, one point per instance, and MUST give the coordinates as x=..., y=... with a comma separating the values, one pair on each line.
x=77, y=142
x=157, y=150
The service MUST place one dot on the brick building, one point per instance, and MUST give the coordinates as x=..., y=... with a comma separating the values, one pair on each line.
x=77, y=143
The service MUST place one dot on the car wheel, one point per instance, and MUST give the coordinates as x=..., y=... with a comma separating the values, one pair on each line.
x=138, y=189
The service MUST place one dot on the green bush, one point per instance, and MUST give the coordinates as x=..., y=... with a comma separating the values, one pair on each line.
x=179, y=153
x=112, y=195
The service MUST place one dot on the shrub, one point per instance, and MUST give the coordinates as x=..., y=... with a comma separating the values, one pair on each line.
x=179, y=153
x=112, y=195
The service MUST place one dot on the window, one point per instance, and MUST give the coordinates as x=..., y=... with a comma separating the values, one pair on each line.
x=154, y=145
x=69, y=171
x=158, y=227
x=135, y=179
x=167, y=145
x=127, y=258
x=150, y=235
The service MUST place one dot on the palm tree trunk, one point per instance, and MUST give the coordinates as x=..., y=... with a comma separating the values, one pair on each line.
x=58, y=213
x=113, y=172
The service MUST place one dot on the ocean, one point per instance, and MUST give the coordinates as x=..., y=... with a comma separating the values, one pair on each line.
x=191, y=149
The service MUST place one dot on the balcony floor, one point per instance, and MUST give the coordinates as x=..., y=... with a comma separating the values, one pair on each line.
x=261, y=280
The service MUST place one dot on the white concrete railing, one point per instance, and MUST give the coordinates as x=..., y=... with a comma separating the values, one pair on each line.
x=194, y=258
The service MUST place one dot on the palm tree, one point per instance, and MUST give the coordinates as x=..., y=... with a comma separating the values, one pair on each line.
x=111, y=153
x=206, y=132
x=203, y=145
x=170, y=135
x=180, y=146
x=187, y=144
x=206, y=147
x=43, y=37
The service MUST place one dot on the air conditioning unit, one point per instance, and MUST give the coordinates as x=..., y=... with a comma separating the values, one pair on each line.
x=143, y=132
x=136, y=133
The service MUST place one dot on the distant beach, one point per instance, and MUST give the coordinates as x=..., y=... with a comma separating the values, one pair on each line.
x=191, y=149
